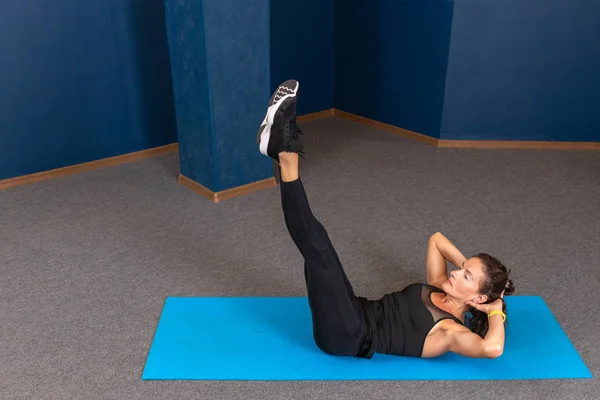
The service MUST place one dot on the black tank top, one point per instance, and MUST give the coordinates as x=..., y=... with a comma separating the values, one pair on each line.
x=399, y=322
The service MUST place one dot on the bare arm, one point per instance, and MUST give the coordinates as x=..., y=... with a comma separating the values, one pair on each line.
x=469, y=344
x=440, y=249
x=465, y=342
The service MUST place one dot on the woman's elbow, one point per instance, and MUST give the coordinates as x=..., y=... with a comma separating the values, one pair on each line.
x=434, y=236
x=494, y=351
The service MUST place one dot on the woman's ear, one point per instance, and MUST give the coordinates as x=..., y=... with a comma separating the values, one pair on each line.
x=481, y=299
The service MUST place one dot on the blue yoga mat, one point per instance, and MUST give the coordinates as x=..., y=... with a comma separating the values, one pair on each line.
x=270, y=338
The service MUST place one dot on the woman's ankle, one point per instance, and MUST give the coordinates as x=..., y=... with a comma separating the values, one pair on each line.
x=288, y=158
x=288, y=166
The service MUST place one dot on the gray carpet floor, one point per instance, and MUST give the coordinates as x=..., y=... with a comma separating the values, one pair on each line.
x=87, y=260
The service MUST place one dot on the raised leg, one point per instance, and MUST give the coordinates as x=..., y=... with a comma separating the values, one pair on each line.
x=338, y=327
x=308, y=233
x=338, y=323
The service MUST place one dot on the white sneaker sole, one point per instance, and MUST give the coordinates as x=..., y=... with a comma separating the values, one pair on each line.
x=267, y=123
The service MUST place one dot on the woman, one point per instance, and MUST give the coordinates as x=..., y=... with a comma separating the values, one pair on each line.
x=422, y=320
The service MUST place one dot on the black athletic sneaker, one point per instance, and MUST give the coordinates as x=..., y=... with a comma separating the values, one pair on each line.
x=278, y=131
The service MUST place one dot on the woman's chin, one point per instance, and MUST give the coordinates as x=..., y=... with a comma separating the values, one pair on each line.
x=446, y=286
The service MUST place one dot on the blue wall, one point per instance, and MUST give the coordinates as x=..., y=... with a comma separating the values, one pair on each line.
x=220, y=59
x=524, y=70
x=187, y=50
x=81, y=81
x=237, y=50
x=302, y=48
x=87, y=80
x=391, y=58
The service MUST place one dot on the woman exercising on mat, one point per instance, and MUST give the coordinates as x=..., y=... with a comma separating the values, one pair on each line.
x=422, y=320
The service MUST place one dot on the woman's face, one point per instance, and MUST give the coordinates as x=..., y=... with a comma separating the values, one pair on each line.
x=464, y=282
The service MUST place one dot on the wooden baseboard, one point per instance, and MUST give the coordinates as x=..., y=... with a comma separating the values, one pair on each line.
x=469, y=144
x=386, y=127
x=140, y=155
x=332, y=112
x=315, y=116
x=88, y=166
x=517, y=144
x=216, y=197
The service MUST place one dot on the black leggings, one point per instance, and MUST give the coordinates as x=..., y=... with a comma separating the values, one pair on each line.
x=339, y=326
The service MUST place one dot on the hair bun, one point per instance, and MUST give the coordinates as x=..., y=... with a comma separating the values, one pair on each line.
x=510, y=287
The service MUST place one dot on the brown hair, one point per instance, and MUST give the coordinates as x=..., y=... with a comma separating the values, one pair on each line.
x=494, y=282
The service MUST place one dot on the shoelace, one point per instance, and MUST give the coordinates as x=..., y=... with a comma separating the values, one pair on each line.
x=294, y=133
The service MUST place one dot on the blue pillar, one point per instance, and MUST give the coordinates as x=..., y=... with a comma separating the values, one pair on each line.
x=219, y=51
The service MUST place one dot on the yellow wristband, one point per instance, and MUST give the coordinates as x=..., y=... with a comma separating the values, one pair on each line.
x=499, y=313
